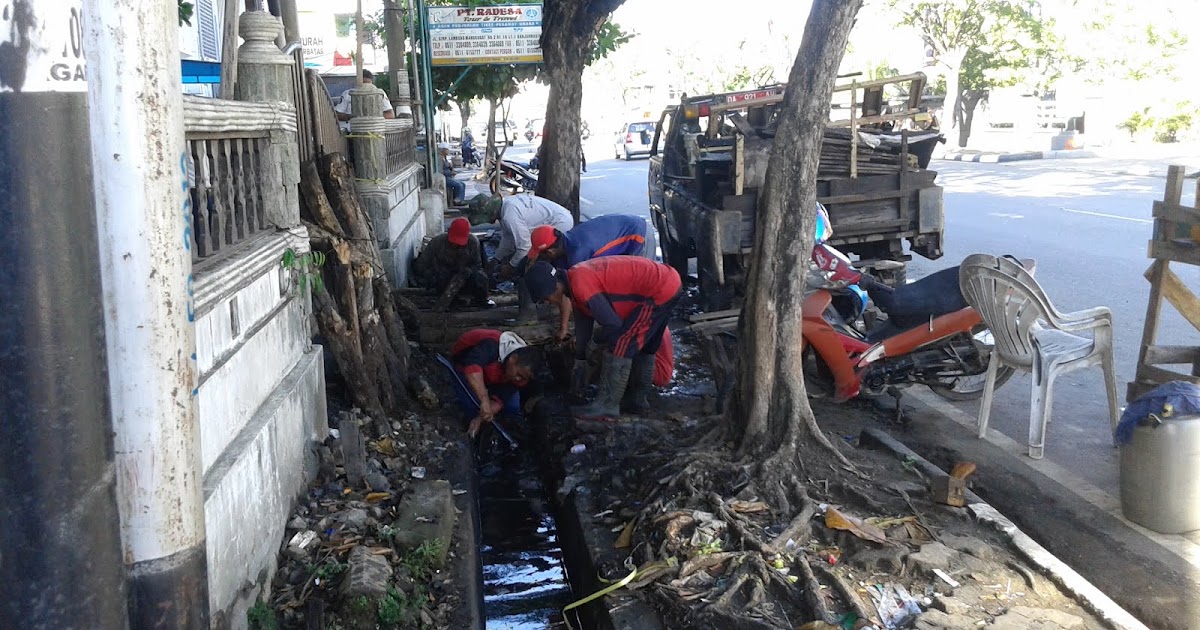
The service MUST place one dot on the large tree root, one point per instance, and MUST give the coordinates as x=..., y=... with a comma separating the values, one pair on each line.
x=355, y=309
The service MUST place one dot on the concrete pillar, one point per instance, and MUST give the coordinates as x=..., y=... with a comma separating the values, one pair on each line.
x=144, y=217
x=366, y=132
x=60, y=539
x=264, y=73
x=397, y=72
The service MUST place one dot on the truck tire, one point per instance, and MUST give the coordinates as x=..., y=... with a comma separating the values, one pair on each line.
x=713, y=296
x=673, y=253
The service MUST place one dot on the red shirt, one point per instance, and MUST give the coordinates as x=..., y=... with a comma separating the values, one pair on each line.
x=478, y=352
x=623, y=282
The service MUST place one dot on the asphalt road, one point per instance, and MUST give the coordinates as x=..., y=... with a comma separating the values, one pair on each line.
x=1086, y=227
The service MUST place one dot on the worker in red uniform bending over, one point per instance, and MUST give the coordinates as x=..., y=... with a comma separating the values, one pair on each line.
x=496, y=366
x=630, y=298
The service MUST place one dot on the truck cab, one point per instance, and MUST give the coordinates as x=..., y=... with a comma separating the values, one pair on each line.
x=708, y=160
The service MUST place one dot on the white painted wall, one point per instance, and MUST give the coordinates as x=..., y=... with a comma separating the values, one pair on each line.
x=261, y=407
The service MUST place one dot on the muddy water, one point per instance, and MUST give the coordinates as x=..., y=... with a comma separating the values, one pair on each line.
x=524, y=581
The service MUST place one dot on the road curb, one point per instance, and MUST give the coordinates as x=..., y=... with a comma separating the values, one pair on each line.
x=993, y=158
x=1064, y=576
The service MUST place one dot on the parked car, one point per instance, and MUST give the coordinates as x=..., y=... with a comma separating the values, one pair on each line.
x=634, y=139
x=481, y=132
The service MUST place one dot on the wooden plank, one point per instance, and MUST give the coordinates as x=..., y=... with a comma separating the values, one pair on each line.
x=1174, y=251
x=704, y=317
x=229, y=46
x=1153, y=309
x=873, y=120
x=1178, y=294
x=1173, y=192
x=904, y=78
x=854, y=130
x=739, y=165
x=1176, y=212
x=876, y=196
x=1172, y=355
x=1152, y=374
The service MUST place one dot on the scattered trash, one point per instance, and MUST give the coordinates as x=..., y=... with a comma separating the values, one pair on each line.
x=376, y=497
x=335, y=434
x=749, y=506
x=945, y=577
x=458, y=492
x=626, y=537
x=860, y=528
x=418, y=472
x=578, y=448
x=895, y=606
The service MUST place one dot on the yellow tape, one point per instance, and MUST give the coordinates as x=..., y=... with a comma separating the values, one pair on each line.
x=670, y=562
x=598, y=594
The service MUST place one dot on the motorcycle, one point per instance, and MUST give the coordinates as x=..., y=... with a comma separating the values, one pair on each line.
x=469, y=157
x=925, y=333
x=514, y=176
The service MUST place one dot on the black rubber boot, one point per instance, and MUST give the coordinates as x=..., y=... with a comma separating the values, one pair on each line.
x=526, y=309
x=613, y=380
x=641, y=380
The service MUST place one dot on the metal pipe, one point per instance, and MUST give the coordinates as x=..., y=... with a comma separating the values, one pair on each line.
x=60, y=542
x=291, y=48
x=144, y=213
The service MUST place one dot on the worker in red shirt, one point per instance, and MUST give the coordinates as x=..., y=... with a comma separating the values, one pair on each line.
x=631, y=299
x=496, y=367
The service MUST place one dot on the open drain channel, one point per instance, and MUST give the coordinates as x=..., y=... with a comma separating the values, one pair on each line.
x=524, y=578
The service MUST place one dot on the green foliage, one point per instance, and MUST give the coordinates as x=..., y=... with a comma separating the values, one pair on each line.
x=1123, y=39
x=261, y=617
x=1169, y=128
x=1138, y=121
x=306, y=268
x=426, y=558
x=327, y=570
x=186, y=9
x=361, y=606
x=609, y=38
x=400, y=610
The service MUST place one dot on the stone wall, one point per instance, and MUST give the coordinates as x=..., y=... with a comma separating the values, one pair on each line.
x=261, y=390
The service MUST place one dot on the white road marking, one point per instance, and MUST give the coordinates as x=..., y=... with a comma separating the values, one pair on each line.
x=585, y=200
x=1006, y=216
x=1176, y=544
x=1107, y=216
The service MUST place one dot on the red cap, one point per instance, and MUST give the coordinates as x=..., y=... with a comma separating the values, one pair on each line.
x=542, y=239
x=460, y=230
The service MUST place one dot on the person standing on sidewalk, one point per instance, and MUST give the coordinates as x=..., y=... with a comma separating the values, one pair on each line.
x=631, y=299
x=605, y=235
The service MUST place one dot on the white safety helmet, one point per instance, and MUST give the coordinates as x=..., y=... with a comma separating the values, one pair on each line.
x=510, y=341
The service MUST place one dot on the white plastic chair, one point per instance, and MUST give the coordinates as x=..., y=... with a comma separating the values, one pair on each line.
x=1031, y=335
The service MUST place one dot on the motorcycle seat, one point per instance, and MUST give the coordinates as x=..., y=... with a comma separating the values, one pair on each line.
x=914, y=304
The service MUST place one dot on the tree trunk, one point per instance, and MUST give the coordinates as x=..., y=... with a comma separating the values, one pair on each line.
x=967, y=114
x=491, y=130
x=355, y=311
x=771, y=405
x=464, y=111
x=952, y=61
x=569, y=30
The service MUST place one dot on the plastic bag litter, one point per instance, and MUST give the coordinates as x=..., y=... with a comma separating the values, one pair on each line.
x=895, y=606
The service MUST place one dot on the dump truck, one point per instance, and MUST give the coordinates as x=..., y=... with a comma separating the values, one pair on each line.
x=708, y=160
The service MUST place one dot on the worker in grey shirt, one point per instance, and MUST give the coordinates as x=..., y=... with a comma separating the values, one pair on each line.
x=518, y=216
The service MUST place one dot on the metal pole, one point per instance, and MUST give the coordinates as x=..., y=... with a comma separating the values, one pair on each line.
x=60, y=544
x=427, y=82
x=394, y=30
x=144, y=213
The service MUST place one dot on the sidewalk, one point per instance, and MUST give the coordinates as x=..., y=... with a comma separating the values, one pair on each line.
x=1137, y=160
x=1151, y=575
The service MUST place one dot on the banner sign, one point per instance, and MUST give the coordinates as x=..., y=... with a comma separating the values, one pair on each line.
x=505, y=33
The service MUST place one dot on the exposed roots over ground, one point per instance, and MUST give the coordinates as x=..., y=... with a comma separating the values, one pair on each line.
x=738, y=553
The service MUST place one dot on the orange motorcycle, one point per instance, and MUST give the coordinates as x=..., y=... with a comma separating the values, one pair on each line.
x=921, y=333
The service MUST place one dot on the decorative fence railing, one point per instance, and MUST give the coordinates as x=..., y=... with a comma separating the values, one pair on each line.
x=327, y=137
x=400, y=139
x=235, y=151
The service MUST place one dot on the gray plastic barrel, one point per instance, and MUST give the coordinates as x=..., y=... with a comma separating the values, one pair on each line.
x=1160, y=476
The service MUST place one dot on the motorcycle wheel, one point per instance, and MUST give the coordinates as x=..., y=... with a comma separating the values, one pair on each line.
x=959, y=388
